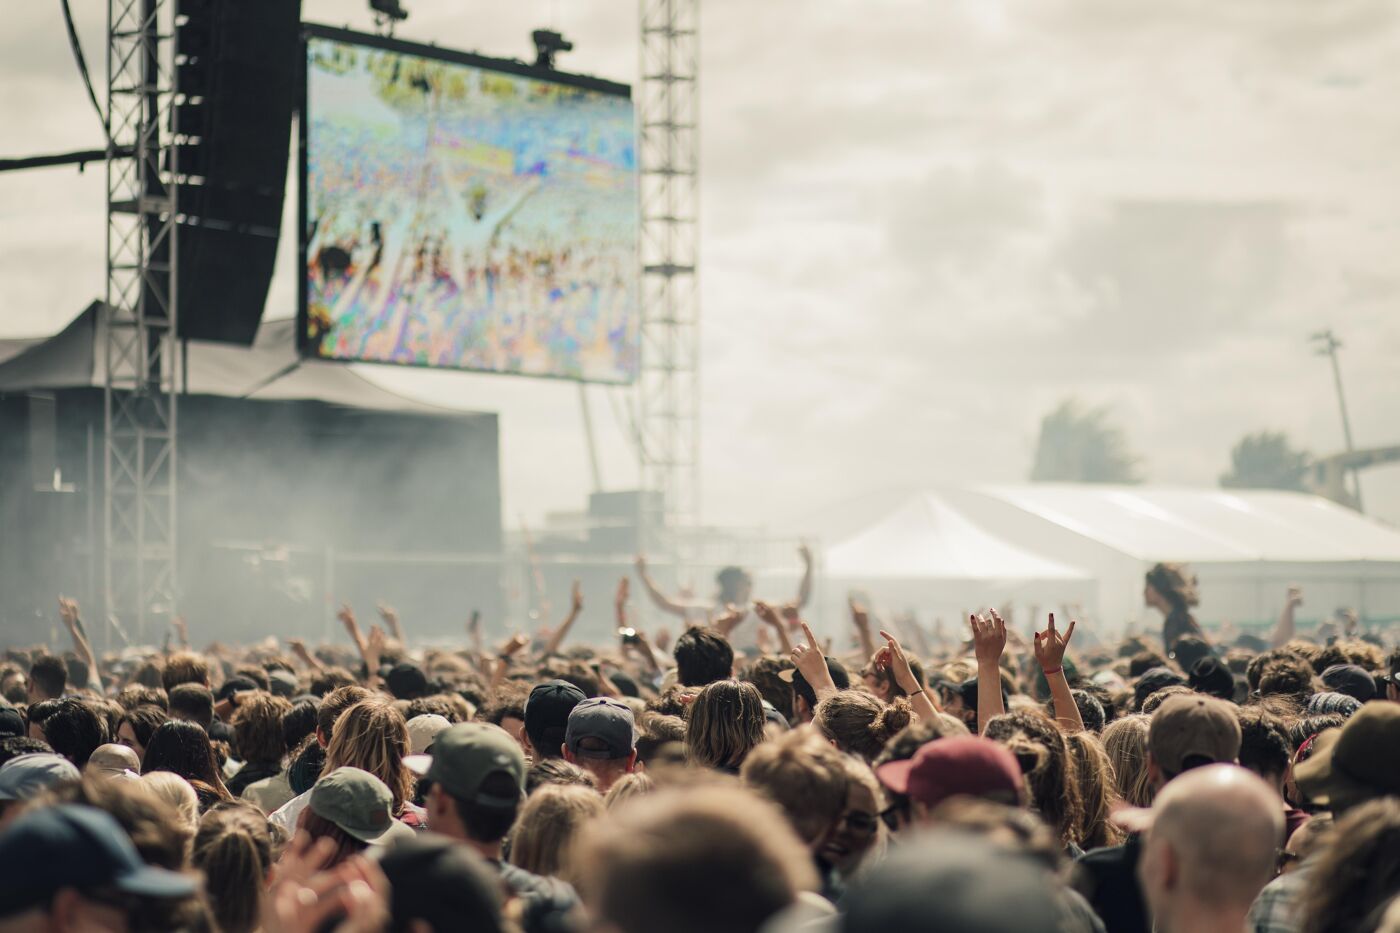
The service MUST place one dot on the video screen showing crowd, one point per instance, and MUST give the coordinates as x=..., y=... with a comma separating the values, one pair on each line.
x=466, y=218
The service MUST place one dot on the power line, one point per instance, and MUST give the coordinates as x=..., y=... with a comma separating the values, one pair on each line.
x=82, y=65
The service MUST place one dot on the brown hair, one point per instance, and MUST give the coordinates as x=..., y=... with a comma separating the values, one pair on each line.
x=1097, y=791
x=726, y=723
x=1049, y=769
x=160, y=835
x=336, y=702
x=257, y=727
x=1358, y=873
x=372, y=736
x=544, y=832
x=1125, y=742
x=136, y=695
x=627, y=787
x=638, y=868
x=1176, y=584
x=860, y=724
x=184, y=667
x=318, y=827
x=804, y=775
x=234, y=848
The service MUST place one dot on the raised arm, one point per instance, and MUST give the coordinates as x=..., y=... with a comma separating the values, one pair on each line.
x=804, y=589
x=988, y=641
x=770, y=617
x=665, y=603
x=68, y=611
x=390, y=616
x=1287, y=627
x=1050, y=648
x=808, y=660
x=860, y=618
x=893, y=658
x=575, y=607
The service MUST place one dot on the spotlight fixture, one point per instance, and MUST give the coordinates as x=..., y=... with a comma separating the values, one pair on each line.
x=549, y=43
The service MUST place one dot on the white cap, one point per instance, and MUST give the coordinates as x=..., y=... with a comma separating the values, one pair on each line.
x=423, y=730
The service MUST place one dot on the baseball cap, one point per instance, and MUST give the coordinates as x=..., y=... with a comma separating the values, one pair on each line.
x=75, y=846
x=11, y=722
x=468, y=753
x=435, y=879
x=1355, y=763
x=25, y=776
x=422, y=730
x=1338, y=704
x=406, y=681
x=359, y=803
x=967, y=765
x=547, y=715
x=609, y=721
x=951, y=880
x=1352, y=679
x=1211, y=677
x=1189, y=731
x=282, y=683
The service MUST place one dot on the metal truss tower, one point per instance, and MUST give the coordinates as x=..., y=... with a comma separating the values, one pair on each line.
x=669, y=388
x=138, y=327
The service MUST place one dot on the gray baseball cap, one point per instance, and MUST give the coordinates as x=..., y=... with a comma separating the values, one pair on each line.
x=360, y=804
x=465, y=755
x=25, y=776
x=609, y=721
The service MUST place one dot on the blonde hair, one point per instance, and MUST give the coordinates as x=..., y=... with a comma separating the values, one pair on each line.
x=177, y=792
x=1125, y=742
x=372, y=736
x=725, y=724
x=235, y=848
x=1097, y=791
x=549, y=821
x=637, y=784
x=859, y=723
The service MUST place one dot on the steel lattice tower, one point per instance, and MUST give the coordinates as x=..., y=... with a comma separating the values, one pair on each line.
x=669, y=388
x=138, y=323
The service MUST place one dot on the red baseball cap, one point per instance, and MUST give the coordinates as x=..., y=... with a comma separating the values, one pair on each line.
x=965, y=765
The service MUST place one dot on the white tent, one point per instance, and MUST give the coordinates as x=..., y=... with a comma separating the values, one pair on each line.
x=927, y=555
x=1246, y=546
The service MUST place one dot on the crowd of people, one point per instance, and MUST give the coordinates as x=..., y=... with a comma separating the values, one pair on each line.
x=710, y=782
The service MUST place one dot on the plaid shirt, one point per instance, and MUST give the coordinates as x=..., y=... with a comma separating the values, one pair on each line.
x=1278, y=909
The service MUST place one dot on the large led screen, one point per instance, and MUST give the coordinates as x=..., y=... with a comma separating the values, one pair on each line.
x=466, y=213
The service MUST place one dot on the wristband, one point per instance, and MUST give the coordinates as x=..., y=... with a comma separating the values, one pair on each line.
x=1057, y=670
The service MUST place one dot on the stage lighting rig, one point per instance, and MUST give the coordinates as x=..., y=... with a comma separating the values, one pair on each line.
x=549, y=43
x=387, y=13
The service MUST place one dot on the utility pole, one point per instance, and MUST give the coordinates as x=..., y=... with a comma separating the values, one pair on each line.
x=1327, y=345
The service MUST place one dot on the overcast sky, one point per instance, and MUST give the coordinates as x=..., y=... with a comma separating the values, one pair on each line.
x=924, y=225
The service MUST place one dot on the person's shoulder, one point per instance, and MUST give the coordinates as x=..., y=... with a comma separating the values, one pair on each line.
x=1105, y=856
x=531, y=886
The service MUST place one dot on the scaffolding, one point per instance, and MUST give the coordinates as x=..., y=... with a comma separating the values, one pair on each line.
x=138, y=328
x=668, y=389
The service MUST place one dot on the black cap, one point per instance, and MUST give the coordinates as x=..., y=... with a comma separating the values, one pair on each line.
x=949, y=880
x=547, y=712
x=839, y=677
x=1157, y=678
x=406, y=681
x=1211, y=677
x=74, y=846
x=442, y=882
x=1353, y=680
x=234, y=685
x=11, y=722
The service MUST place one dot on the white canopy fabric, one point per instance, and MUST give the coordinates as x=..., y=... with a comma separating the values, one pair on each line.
x=927, y=539
x=1246, y=546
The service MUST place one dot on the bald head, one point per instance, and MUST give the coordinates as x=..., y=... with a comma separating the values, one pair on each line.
x=1213, y=844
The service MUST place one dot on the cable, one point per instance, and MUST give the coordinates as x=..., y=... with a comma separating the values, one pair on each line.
x=82, y=65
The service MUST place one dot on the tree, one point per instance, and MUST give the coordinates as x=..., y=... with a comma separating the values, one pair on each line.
x=1266, y=461
x=1081, y=446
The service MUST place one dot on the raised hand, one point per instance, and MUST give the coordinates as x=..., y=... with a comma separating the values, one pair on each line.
x=514, y=644
x=860, y=616
x=346, y=615
x=771, y=617
x=1050, y=646
x=988, y=637
x=374, y=646
x=68, y=612
x=892, y=658
x=808, y=660
x=624, y=591
x=726, y=622
x=1295, y=595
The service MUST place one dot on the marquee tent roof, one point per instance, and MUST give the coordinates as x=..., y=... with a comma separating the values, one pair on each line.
x=926, y=538
x=270, y=369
